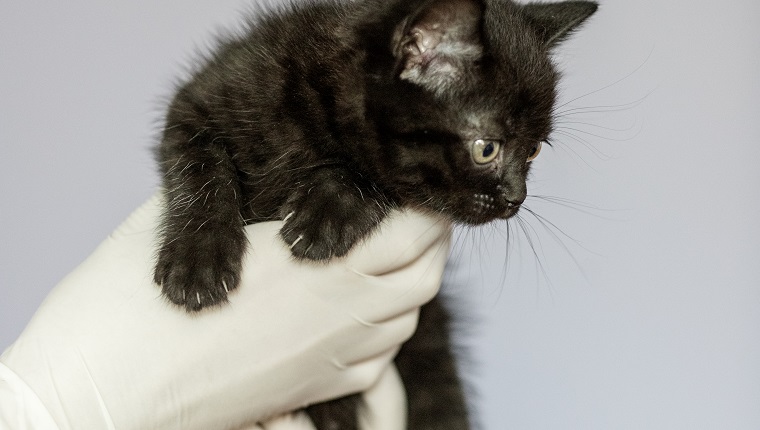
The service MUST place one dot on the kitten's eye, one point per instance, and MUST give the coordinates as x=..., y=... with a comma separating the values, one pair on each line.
x=485, y=151
x=536, y=151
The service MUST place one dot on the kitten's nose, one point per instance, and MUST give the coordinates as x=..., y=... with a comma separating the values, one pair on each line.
x=513, y=197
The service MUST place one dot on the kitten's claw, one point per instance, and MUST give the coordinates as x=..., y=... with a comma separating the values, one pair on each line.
x=298, y=239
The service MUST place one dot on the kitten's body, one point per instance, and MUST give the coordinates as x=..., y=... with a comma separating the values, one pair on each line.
x=328, y=116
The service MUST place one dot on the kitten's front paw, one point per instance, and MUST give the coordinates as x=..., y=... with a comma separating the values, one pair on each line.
x=322, y=225
x=196, y=278
x=315, y=238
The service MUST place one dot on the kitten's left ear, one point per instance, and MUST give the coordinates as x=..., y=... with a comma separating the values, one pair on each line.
x=555, y=21
x=436, y=44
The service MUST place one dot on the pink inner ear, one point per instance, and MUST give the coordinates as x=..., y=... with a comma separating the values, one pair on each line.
x=443, y=38
x=422, y=40
x=455, y=21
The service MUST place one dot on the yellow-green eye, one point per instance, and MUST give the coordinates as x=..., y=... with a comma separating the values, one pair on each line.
x=484, y=151
x=536, y=151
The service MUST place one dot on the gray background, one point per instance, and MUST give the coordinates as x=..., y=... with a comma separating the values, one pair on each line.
x=645, y=316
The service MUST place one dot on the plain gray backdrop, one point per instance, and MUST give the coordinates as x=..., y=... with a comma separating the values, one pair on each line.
x=637, y=305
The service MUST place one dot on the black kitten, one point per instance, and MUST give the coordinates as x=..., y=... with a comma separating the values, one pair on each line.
x=328, y=115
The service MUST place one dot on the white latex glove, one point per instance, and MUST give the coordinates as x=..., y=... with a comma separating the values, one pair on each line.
x=106, y=351
x=384, y=408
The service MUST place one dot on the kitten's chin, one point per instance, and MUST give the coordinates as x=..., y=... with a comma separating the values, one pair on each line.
x=480, y=217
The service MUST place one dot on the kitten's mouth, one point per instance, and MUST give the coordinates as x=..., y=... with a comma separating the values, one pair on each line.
x=510, y=211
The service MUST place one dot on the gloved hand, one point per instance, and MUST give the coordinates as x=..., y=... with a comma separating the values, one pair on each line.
x=105, y=350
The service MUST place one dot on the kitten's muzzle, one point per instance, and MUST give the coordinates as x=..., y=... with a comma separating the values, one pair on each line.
x=487, y=207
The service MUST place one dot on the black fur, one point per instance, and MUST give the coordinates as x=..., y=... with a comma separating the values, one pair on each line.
x=328, y=115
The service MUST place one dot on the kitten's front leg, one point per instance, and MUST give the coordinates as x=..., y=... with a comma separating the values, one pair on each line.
x=202, y=236
x=330, y=213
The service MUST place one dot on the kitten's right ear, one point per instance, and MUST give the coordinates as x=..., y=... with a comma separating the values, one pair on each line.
x=435, y=44
x=555, y=21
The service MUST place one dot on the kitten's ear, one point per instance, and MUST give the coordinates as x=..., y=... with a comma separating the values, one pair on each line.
x=555, y=21
x=435, y=45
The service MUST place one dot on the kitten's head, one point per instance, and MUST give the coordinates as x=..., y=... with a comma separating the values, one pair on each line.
x=462, y=93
